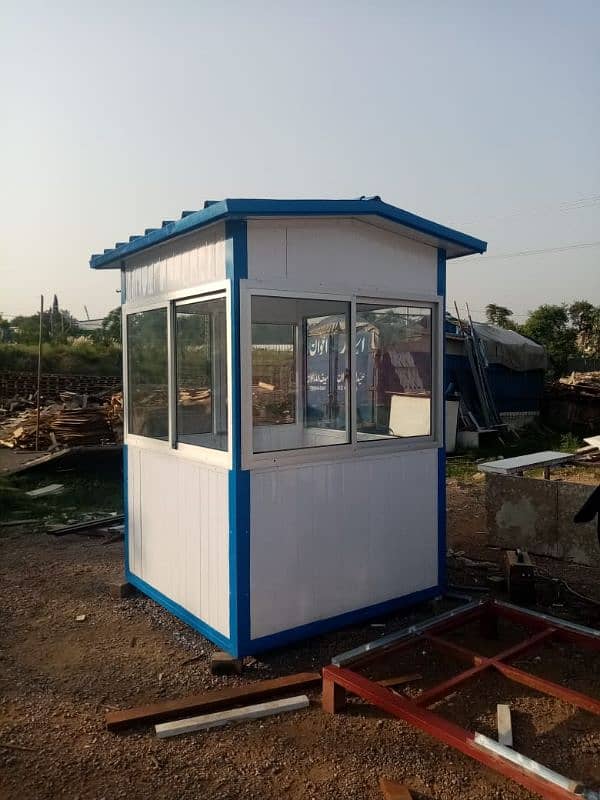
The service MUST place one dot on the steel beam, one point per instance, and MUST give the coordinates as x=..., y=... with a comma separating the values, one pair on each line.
x=441, y=729
x=548, y=687
x=450, y=619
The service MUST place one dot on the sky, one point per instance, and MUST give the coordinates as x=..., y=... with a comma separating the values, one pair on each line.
x=482, y=116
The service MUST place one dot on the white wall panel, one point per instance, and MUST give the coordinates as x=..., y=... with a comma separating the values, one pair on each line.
x=179, y=531
x=345, y=254
x=178, y=264
x=328, y=538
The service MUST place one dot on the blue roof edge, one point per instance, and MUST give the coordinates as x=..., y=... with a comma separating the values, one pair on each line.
x=223, y=209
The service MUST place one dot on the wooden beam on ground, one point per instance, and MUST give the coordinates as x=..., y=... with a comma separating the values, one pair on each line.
x=400, y=679
x=505, y=736
x=210, y=701
x=219, y=718
x=393, y=791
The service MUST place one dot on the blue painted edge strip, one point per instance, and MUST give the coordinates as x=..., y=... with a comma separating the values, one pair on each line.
x=341, y=620
x=178, y=611
x=240, y=208
x=442, y=545
x=126, y=508
x=236, y=261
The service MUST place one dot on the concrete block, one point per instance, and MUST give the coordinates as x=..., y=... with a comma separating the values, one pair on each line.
x=121, y=589
x=224, y=664
x=537, y=515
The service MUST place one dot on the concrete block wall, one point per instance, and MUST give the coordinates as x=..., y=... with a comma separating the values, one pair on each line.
x=537, y=515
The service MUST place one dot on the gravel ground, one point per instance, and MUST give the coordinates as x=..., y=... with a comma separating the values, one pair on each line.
x=59, y=676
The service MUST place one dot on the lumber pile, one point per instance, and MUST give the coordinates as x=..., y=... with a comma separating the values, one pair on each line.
x=572, y=403
x=76, y=420
x=582, y=384
x=192, y=397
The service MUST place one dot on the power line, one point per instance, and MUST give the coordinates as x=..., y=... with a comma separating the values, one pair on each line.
x=563, y=207
x=576, y=246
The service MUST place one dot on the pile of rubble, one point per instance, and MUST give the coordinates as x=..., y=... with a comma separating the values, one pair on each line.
x=78, y=419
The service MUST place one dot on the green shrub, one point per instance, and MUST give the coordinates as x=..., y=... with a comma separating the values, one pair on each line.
x=80, y=357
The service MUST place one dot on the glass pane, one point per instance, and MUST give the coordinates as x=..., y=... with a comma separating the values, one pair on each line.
x=326, y=371
x=299, y=373
x=201, y=369
x=147, y=367
x=393, y=371
x=273, y=374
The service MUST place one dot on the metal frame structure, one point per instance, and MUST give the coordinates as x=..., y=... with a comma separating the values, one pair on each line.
x=338, y=679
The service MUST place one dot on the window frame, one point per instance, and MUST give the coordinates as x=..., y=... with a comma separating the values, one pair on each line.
x=435, y=359
x=354, y=447
x=168, y=300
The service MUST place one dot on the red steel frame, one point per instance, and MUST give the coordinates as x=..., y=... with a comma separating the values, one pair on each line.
x=338, y=680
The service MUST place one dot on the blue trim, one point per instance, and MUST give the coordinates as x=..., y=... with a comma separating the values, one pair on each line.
x=236, y=261
x=243, y=208
x=341, y=620
x=178, y=611
x=126, y=508
x=442, y=543
x=239, y=560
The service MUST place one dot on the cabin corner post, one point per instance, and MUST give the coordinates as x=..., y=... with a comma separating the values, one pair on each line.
x=236, y=241
x=441, y=291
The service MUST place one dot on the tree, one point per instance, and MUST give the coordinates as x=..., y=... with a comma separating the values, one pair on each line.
x=26, y=328
x=6, y=333
x=110, y=331
x=585, y=319
x=549, y=326
x=499, y=315
x=55, y=318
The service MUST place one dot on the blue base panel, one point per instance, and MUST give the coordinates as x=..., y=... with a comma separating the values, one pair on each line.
x=283, y=637
x=178, y=611
x=340, y=621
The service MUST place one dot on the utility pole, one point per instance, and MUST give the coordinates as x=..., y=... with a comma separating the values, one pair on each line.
x=39, y=375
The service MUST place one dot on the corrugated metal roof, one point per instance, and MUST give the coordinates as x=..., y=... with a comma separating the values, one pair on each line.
x=456, y=243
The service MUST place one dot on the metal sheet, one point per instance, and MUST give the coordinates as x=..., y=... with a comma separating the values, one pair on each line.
x=510, y=466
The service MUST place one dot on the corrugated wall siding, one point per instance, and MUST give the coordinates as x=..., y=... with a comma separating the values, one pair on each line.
x=180, y=264
x=179, y=531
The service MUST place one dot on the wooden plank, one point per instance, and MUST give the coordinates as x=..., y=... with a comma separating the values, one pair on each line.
x=394, y=791
x=219, y=718
x=505, y=736
x=400, y=679
x=88, y=525
x=210, y=701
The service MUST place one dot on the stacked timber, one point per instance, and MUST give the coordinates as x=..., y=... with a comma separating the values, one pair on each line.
x=584, y=384
x=78, y=420
x=573, y=403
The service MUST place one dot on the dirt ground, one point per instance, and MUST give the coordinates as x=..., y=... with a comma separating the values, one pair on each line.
x=58, y=677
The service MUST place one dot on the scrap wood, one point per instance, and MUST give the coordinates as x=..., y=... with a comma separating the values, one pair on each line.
x=210, y=701
x=44, y=491
x=88, y=525
x=10, y=746
x=220, y=718
x=76, y=421
x=394, y=791
x=505, y=736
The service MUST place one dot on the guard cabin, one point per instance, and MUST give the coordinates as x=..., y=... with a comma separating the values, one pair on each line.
x=284, y=414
